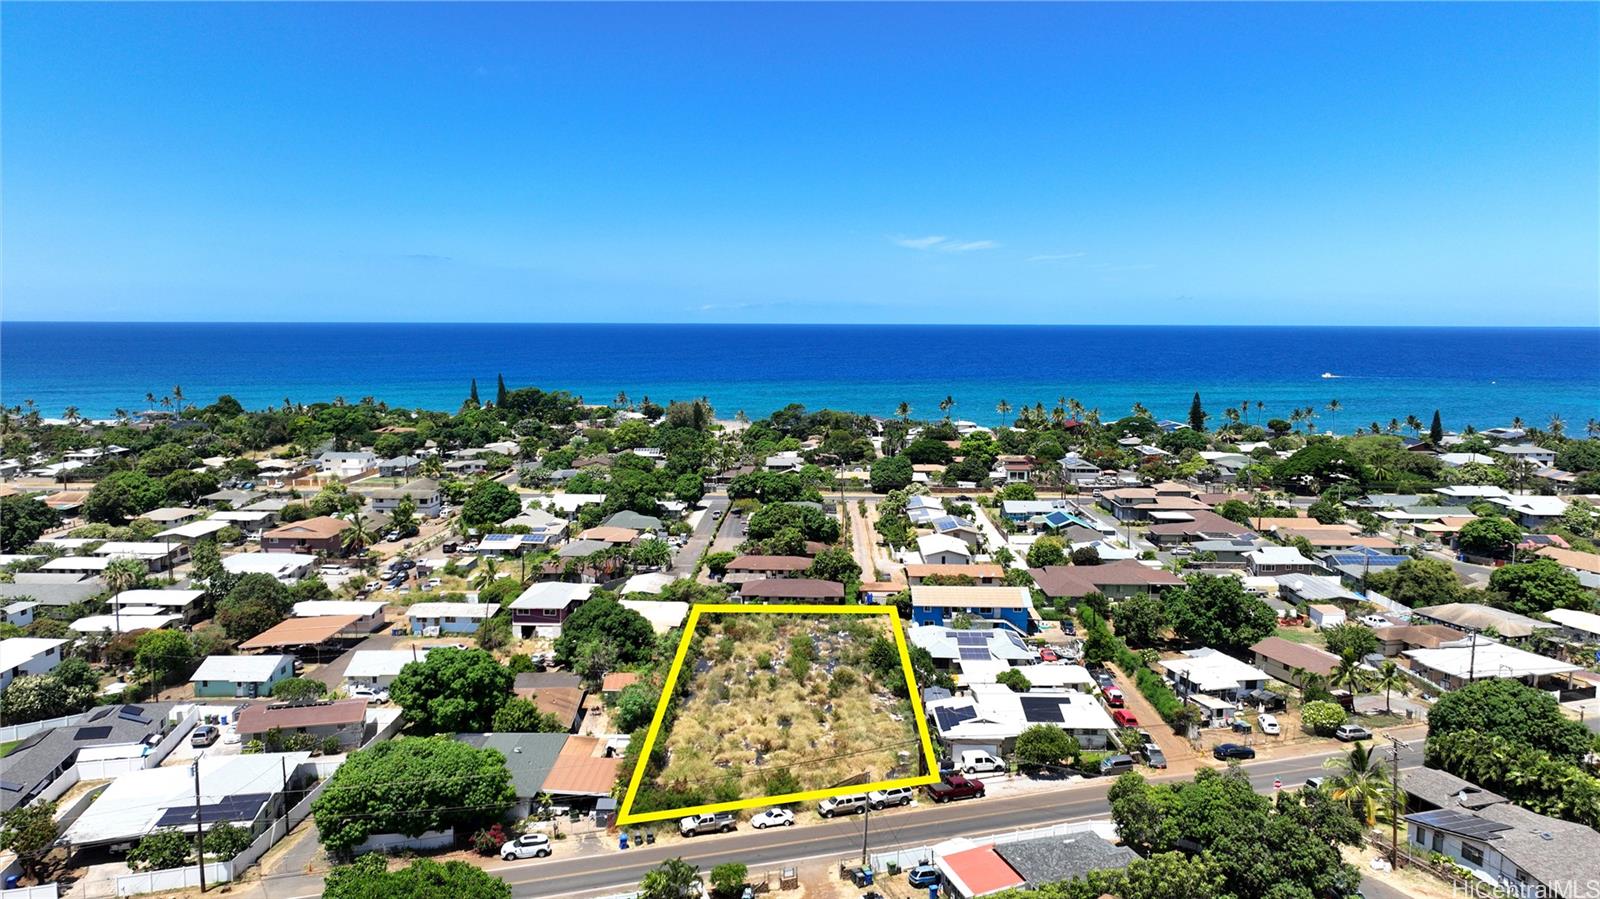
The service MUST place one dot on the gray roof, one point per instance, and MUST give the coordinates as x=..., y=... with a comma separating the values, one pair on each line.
x=630, y=519
x=529, y=757
x=53, y=594
x=266, y=505
x=579, y=548
x=1051, y=859
x=545, y=680
x=39, y=759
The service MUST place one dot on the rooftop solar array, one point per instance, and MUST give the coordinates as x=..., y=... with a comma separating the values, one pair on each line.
x=133, y=713
x=972, y=638
x=92, y=733
x=974, y=654
x=1042, y=709
x=243, y=807
x=948, y=718
x=1470, y=826
x=1376, y=560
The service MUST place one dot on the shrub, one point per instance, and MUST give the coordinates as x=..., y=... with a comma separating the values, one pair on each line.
x=1323, y=718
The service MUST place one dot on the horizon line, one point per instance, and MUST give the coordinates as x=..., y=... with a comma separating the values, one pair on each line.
x=736, y=324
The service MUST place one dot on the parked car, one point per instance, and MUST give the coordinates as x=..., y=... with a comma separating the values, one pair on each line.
x=369, y=694
x=1269, y=724
x=924, y=876
x=1153, y=756
x=1113, y=697
x=404, y=565
x=1114, y=765
x=974, y=761
x=773, y=817
x=1349, y=732
x=1049, y=655
x=1124, y=718
x=1068, y=627
x=842, y=805
x=1374, y=621
x=1240, y=726
x=955, y=787
x=1226, y=751
x=1104, y=679
x=529, y=845
x=694, y=825
x=204, y=735
x=1315, y=783
x=880, y=799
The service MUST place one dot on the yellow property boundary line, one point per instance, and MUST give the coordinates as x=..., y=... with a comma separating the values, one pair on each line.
x=626, y=816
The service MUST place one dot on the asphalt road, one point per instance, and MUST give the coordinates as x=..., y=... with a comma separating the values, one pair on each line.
x=684, y=560
x=842, y=838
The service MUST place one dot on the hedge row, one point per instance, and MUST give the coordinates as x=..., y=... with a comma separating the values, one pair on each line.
x=1150, y=684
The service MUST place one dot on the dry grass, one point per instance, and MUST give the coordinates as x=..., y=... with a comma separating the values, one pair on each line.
x=742, y=719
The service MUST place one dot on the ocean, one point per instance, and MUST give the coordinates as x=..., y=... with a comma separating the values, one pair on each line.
x=1482, y=376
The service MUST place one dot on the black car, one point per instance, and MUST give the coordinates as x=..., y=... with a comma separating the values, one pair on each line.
x=1226, y=751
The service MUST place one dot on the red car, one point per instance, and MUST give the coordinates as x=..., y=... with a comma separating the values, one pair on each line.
x=1048, y=655
x=1113, y=697
x=1124, y=718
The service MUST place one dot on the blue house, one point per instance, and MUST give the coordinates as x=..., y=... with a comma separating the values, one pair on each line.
x=236, y=676
x=1007, y=606
x=435, y=618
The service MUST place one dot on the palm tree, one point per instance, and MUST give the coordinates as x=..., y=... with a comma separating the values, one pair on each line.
x=1333, y=410
x=124, y=574
x=651, y=554
x=1516, y=422
x=904, y=411
x=1348, y=675
x=1415, y=424
x=1075, y=407
x=358, y=536
x=1362, y=783
x=1139, y=411
x=946, y=404
x=1558, y=426
x=1391, y=679
x=177, y=397
x=149, y=399
x=622, y=399
x=488, y=572
x=1002, y=408
x=1394, y=426
x=1593, y=427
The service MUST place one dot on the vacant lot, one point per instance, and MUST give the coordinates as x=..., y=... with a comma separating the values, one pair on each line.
x=783, y=703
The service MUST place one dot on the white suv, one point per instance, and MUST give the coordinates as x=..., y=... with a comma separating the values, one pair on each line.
x=842, y=805
x=369, y=694
x=529, y=845
x=880, y=799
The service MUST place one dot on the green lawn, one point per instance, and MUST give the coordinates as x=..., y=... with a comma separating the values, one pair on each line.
x=5, y=748
x=1306, y=635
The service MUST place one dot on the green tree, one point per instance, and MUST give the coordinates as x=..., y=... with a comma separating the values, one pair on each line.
x=727, y=880
x=1417, y=583
x=717, y=562
x=1328, y=511
x=1217, y=612
x=412, y=786
x=36, y=697
x=489, y=503
x=651, y=554
x=1141, y=619
x=1045, y=551
x=1197, y=413
x=295, y=689
x=1513, y=711
x=452, y=691
x=812, y=523
x=1016, y=680
x=891, y=473
x=122, y=495
x=22, y=520
x=1533, y=588
x=672, y=879
x=522, y=716
x=1322, y=717
x=166, y=655
x=368, y=877
x=1490, y=535
x=1045, y=746
x=837, y=565
x=635, y=705
x=224, y=841
x=604, y=620
x=29, y=831
x=1350, y=640
x=160, y=850
x=1436, y=430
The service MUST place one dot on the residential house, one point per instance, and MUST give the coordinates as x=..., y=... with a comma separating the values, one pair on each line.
x=1324, y=616
x=1397, y=639
x=959, y=528
x=125, y=733
x=1576, y=626
x=1214, y=682
x=1076, y=470
x=424, y=492
x=1283, y=658
x=1193, y=526
x=399, y=467
x=21, y=656
x=973, y=871
x=792, y=589
x=341, y=719
x=126, y=621
x=186, y=604
x=616, y=682
x=18, y=614
x=556, y=693
x=611, y=536
x=1011, y=605
x=346, y=464
x=742, y=568
x=990, y=716
x=251, y=524
x=1116, y=580
x=377, y=668
x=634, y=521
x=541, y=609
x=63, y=590
x=171, y=515
x=368, y=613
x=987, y=574
x=429, y=618
x=195, y=531
x=1475, y=618
x=1271, y=561
x=530, y=758
x=1507, y=846
x=1533, y=511
x=943, y=549
x=321, y=535
x=1529, y=452
x=1455, y=665
x=286, y=567
x=978, y=654
x=1305, y=589
x=250, y=676
x=469, y=466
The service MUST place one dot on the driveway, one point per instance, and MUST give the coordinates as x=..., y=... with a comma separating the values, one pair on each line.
x=705, y=530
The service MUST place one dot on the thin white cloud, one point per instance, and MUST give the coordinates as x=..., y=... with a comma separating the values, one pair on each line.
x=968, y=246
x=1056, y=257
x=919, y=243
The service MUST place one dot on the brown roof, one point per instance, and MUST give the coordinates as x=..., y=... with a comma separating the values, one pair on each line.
x=302, y=631
x=769, y=563
x=582, y=769
x=791, y=588
x=1571, y=558
x=263, y=716
x=1081, y=580
x=616, y=680
x=1422, y=636
x=976, y=572
x=562, y=702
x=1297, y=655
x=319, y=528
x=1203, y=522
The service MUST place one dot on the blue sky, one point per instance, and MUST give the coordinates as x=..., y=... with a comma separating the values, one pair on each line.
x=1129, y=163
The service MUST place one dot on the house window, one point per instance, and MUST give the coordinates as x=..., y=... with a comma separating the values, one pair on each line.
x=1438, y=841
x=1422, y=836
x=1472, y=853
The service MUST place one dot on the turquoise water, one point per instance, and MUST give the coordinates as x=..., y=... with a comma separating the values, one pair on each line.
x=1478, y=375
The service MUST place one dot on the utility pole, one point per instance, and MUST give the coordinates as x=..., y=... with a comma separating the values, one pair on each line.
x=199, y=836
x=866, y=824
x=1396, y=798
x=1472, y=659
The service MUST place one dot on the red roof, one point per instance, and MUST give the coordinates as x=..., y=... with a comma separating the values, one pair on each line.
x=262, y=717
x=983, y=870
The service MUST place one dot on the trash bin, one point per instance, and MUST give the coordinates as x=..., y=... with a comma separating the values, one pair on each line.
x=622, y=840
x=12, y=880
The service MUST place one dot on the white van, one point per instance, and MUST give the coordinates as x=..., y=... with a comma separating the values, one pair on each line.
x=842, y=805
x=975, y=761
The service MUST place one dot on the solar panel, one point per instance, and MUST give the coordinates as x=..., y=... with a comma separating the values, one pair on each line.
x=92, y=733
x=133, y=713
x=971, y=638
x=1466, y=825
x=948, y=718
x=1042, y=709
x=973, y=653
x=243, y=807
x=10, y=786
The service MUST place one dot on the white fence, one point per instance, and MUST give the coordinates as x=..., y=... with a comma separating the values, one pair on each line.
x=917, y=855
x=13, y=732
x=172, y=879
x=383, y=842
x=44, y=891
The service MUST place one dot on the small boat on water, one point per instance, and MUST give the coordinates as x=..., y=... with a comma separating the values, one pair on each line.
x=1329, y=374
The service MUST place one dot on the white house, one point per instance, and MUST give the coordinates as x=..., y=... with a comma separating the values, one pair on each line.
x=1532, y=511
x=241, y=675
x=126, y=621
x=449, y=617
x=377, y=668
x=194, y=531
x=1324, y=616
x=369, y=612
x=1270, y=561
x=1455, y=665
x=942, y=549
x=991, y=716
x=286, y=567
x=18, y=613
x=346, y=465
x=183, y=603
x=27, y=655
